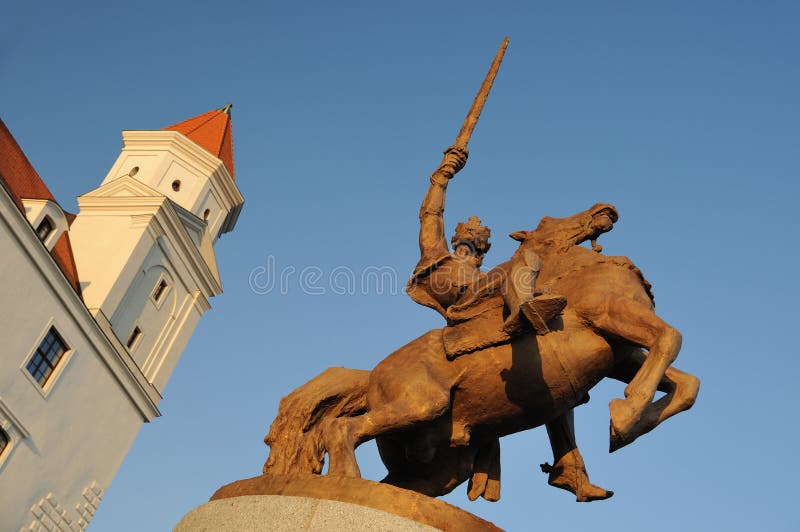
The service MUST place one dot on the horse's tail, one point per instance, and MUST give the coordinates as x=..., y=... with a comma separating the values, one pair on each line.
x=295, y=437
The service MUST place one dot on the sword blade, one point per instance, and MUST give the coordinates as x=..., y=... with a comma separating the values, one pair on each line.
x=480, y=100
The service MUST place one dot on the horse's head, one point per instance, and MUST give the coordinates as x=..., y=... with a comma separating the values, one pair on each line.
x=560, y=234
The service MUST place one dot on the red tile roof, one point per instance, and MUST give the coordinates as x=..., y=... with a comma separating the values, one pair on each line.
x=21, y=181
x=212, y=131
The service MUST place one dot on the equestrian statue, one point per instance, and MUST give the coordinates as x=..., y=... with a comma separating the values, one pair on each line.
x=522, y=346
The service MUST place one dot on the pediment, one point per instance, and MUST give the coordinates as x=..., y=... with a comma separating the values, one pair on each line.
x=122, y=187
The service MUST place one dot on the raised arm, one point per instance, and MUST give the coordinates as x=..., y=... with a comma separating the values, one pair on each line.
x=432, y=240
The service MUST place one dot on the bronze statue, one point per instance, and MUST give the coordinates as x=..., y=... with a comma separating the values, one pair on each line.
x=453, y=285
x=523, y=345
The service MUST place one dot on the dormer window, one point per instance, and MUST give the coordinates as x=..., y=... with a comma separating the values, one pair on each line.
x=45, y=228
x=47, y=220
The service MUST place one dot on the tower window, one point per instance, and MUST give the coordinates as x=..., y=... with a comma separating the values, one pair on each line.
x=45, y=228
x=176, y=185
x=134, y=171
x=206, y=214
x=161, y=287
x=46, y=358
x=133, y=339
x=5, y=439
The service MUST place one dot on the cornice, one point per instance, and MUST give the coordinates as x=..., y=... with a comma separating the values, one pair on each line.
x=194, y=155
x=158, y=213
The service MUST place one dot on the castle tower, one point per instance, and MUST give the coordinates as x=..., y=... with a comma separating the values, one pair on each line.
x=143, y=240
x=100, y=306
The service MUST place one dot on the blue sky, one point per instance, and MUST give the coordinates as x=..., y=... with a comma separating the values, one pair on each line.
x=684, y=115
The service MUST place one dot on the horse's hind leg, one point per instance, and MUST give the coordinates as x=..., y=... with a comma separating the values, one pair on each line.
x=635, y=322
x=680, y=388
x=400, y=405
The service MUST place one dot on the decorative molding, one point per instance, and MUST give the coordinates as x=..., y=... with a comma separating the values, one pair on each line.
x=124, y=186
x=175, y=143
x=13, y=420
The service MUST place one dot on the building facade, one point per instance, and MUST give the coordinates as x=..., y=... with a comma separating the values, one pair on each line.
x=96, y=309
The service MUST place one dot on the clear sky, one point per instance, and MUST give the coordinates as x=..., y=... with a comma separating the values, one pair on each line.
x=683, y=114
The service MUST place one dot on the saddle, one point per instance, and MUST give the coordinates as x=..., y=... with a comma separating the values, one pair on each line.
x=477, y=324
x=482, y=319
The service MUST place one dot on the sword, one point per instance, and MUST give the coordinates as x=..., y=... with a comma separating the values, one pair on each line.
x=480, y=100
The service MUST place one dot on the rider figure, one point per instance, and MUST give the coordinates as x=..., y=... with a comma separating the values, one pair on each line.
x=443, y=280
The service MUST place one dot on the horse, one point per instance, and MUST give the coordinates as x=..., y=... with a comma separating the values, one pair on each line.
x=437, y=421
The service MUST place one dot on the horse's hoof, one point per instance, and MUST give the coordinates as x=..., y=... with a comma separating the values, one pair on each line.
x=623, y=419
x=615, y=440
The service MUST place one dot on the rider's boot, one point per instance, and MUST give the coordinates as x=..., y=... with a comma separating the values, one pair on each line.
x=539, y=310
x=569, y=473
x=521, y=301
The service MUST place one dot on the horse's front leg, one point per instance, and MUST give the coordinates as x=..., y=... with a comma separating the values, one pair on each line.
x=635, y=322
x=680, y=388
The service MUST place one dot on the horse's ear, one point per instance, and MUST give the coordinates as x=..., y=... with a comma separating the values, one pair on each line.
x=519, y=236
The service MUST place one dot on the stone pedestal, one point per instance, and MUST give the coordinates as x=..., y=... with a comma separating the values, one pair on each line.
x=280, y=513
x=317, y=503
